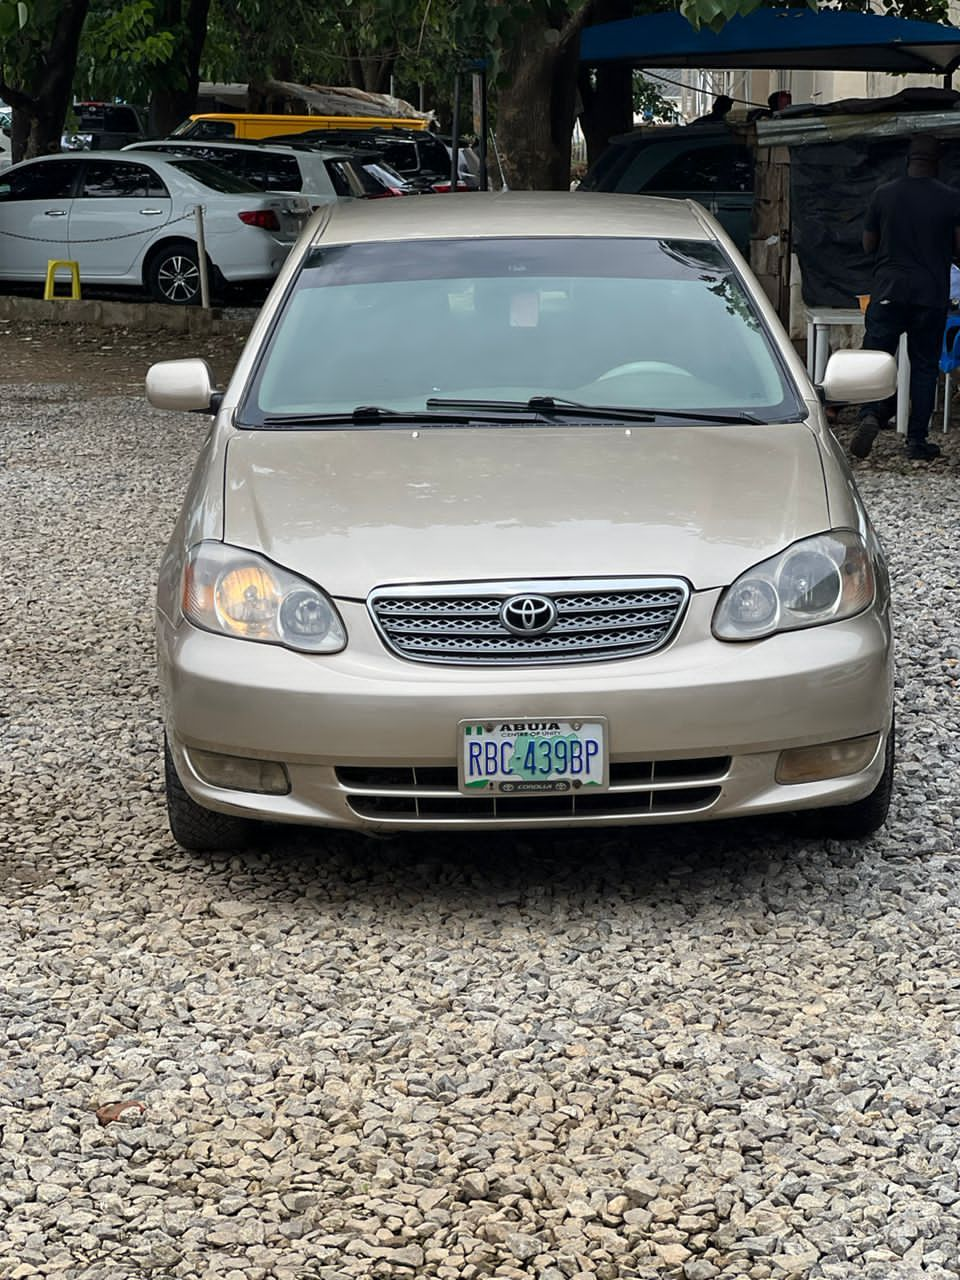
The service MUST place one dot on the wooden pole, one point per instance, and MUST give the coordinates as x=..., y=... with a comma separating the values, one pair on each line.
x=770, y=235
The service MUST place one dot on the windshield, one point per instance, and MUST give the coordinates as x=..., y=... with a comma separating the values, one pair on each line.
x=630, y=323
x=207, y=129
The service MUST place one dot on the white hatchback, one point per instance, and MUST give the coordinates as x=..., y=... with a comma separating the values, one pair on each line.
x=132, y=221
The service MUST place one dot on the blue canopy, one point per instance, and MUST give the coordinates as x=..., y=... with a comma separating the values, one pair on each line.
x=779, y=39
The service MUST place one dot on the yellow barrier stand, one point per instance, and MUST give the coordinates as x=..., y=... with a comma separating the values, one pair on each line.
x=49, y=293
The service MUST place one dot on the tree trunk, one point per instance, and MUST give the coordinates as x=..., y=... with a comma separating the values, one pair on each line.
x=169, y=106
x=41, y=100
x=537, y=100
x=607, y=95
x=607, y=107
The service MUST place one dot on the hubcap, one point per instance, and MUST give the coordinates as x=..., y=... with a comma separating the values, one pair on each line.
x=179, y=278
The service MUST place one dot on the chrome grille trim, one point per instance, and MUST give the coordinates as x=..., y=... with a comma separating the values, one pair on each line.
x=598, y=620
x=642, y=790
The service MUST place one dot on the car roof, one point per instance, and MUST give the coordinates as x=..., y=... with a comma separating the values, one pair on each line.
x=705, y=134
x=478, y=214
x=241, y=144
x=77, y=156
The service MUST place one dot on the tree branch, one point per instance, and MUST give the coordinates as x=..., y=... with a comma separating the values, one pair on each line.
x=575, y=23
x=15, y=97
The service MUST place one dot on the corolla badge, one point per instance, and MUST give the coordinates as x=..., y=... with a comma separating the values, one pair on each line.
x=528, y=615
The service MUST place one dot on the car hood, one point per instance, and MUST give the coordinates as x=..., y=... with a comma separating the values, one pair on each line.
x=355, y=509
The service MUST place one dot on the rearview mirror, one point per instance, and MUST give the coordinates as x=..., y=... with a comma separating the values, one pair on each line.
x=859, y=377
x=185, y=385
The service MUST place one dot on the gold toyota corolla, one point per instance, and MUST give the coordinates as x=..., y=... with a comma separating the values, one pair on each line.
x=520, y=511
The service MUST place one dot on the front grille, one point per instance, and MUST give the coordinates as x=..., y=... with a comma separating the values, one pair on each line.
x=638, y=789
x=461, y=623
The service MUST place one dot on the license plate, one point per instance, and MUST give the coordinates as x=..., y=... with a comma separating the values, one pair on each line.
x=532, y=757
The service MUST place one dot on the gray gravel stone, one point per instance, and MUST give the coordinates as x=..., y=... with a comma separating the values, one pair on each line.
x=679, y=1053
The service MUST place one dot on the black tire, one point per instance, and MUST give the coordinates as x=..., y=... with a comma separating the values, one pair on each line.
x=862, y=818
x=203, y=830
x=172, y=274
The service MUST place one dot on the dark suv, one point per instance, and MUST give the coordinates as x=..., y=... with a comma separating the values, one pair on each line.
x=706, y=163
x=104, y=126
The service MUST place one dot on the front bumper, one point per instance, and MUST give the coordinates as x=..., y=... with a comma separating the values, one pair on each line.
x=369, y=740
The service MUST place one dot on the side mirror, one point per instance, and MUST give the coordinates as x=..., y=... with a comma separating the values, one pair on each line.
x=185, y=385
x=859, y=377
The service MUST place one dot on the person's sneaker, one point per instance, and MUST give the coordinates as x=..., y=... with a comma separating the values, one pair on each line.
x=922, y=450
x=866, y=433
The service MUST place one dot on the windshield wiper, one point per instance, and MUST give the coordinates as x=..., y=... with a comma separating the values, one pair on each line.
x=365, y=415
x=551, y=406
x=464, y=412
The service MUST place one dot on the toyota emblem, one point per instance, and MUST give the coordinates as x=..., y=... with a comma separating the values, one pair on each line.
x=528, y=615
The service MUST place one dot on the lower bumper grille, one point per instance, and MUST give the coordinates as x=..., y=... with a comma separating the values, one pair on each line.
x=637, y=789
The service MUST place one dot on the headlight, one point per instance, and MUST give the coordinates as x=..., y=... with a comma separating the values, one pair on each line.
x=820, y=579
x=239, y=593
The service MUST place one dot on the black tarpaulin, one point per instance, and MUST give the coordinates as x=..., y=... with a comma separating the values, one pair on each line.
x=830, y=186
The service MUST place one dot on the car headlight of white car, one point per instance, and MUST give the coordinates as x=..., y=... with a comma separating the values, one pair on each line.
x=821, y=579
x=238, y=593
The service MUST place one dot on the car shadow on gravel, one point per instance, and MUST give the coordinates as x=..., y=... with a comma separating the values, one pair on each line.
x=496, y=868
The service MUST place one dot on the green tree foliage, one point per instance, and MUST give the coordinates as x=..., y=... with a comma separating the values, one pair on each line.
x=124, y=51
x=37, y=62
x=650, y=102
x=362, y=43
x=13, y=18
x=144, y=51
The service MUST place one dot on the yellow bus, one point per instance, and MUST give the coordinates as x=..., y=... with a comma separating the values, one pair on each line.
x=209, y=127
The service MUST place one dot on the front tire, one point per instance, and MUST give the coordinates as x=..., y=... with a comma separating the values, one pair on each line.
x=864, y=817
x=173, y=275
x=203, y=830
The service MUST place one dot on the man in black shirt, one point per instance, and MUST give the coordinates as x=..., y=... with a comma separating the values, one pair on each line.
x=722, y=106
x=912, y=232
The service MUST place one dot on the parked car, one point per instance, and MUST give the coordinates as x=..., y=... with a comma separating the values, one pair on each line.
x=706, y=163
x=319, y=175
x=420, y=158
x=104, y=126
x=131, y=221
x=575, y=548
x=468, y=161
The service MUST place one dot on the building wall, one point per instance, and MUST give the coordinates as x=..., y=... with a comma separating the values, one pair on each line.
x=752, y=88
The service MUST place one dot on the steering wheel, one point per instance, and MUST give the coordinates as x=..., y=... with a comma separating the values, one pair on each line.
x=641, y=367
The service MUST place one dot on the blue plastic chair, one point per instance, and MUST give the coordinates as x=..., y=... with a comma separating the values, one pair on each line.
x=949, y=360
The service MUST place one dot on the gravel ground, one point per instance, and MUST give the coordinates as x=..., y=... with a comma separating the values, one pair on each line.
x=688, y=1053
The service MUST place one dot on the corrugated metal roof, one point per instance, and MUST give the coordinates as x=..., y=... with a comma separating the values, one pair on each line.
x=787, y=132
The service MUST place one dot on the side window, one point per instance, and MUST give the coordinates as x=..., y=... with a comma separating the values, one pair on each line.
x=401, y=156
x=52, y=180
x=272, y=172
x=214, y=155
x=110, y=179
x=340, y=177
x=724, y=168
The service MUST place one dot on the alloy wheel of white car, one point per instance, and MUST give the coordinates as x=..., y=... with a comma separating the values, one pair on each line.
x=174, y=276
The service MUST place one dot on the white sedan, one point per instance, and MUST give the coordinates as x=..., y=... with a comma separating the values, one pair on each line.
x=132, y=222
